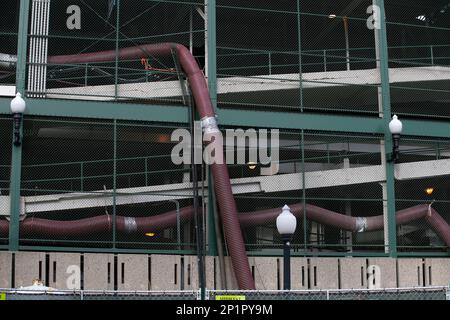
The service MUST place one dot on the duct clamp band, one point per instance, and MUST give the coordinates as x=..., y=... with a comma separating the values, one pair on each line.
x=130, y=224
x=209, y=125
x=361, y=224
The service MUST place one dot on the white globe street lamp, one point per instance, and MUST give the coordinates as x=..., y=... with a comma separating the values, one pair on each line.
x=286, y=225
x=18, y=106
x=395, y=127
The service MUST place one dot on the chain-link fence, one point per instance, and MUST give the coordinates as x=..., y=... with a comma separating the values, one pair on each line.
x=105, y=185
x=423, y=182
x=97, y=295
x=304, y=71
x=117, y=25
x=430, y=293
x=333, y=172
x=298, y=55
x=5, y=170
x=114, y=185
x=418, y=39
x=8, y=39
x=426, y=293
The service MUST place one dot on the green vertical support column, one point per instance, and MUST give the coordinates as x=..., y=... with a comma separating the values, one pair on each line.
x=212, y=85
x=114, y=221
x=16, y=157
x=388, y=143
x=302, y=137
x=116, y=78
x=300, y=63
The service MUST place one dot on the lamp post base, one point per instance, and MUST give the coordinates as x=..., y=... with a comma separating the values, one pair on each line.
x=286, y=261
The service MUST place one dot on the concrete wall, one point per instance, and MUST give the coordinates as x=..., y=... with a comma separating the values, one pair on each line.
x=190, y=273
x=323, y=273
x=265, y=271
x=410, y=272
x=165, y=272
x=230, y=278
x=171, y=272
x=353, y=273
x=65, y=271
x=437, y=272
x=299, y=273
x=387, y=268
x=28, y=267
x=98, y=271
x=5, y=269
x=133, y=272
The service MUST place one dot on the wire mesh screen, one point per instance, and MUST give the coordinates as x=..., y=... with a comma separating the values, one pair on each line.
x=5, y=169
x=423, y=181
x=433, y=293
x=96, y=67
x=418, y=36
x=104, y=185
x=296, y=55
x=318, y=175
x=8, y=40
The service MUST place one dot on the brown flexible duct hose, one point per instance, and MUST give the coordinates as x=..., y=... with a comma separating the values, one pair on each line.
x=31, y=226
x=439, y=225
x=98, y=224
x=348, y=223
x=222, y=186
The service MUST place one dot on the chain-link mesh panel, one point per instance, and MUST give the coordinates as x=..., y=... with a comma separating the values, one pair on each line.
x=118, y=25
x=105, y=185
x=432, y=293
x=99, y=295
x=330, y=175
x=418, y=150
x=8, y=39
x=422, y=179
x=343, y=175
x=418, y=36
x=296, y=55
x=5, y=170
x=69, y=180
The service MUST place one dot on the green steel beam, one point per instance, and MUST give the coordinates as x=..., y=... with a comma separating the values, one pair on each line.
x=106, y=250
x=388, y=143
x=212, y=86
x=102, y=110
x=16, y=153
x=297, y=120
x=227, y=117
x=212, y=50
x=426, y=128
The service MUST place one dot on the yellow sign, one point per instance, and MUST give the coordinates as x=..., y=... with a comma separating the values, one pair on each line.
x=230, y=298
x=2, y=296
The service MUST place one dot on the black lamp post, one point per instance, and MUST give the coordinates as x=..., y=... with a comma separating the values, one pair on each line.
x=18, y=106
x=286, y=224
x=395, y=127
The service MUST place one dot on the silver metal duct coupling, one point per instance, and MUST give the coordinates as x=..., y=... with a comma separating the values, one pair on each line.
x=7, y=61
x=209, y=125
x=130, y=224
x=361, y=224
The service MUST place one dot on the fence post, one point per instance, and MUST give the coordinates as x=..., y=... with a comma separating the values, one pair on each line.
x=448, y=292
x=270, y=62
x=328, y=294
x=432, y=55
